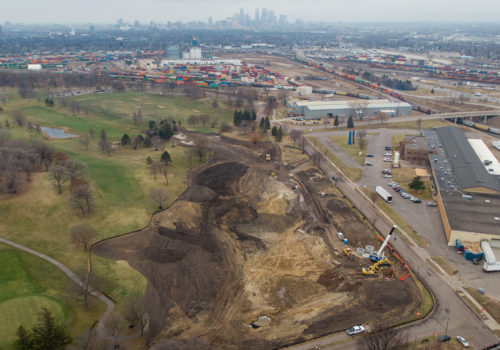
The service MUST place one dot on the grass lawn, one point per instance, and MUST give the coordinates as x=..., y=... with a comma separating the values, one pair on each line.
x=29, y=283
x=491, y=305
x=352, y=150
x=352, y=173
x=41, y=219
x=290, y=153
x=445, y=265
x=403, y=177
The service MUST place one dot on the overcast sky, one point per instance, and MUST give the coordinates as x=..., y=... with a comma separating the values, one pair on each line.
x=108, y=11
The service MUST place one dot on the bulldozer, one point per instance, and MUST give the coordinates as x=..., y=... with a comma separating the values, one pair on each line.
x=268, y=157
x=384, y=263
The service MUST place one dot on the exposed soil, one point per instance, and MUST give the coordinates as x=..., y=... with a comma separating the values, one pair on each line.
x=240, y=244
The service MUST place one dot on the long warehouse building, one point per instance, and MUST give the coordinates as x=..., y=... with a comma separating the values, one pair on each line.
x=315, y=109
x=468, y=195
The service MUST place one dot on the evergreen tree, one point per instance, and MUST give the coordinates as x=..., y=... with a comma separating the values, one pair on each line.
x=147, y=141
x=152, y=125
x=262, y=124
x=125, y=140
x=417, y=184
x=274, y=130
x=47, y=334
x=149, y=160
x=279, y=134
x=254, y=115
x=166, y=131
x=23, y=340
x=350, y=123
x=165, y=157
x=246, y=115
x=268, y=123
x=336, y=121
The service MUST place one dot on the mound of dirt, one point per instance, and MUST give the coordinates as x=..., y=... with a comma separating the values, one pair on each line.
x=220, y=177
x=197, y=193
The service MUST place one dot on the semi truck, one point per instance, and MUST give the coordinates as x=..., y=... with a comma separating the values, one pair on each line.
x=384, y=194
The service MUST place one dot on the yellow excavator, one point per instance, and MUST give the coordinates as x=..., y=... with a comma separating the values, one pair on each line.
x=384, y=263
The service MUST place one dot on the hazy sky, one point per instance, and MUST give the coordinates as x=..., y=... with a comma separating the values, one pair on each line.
x=108, y=11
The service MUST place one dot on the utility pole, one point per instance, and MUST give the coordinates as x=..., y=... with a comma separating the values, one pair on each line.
x=446, y=331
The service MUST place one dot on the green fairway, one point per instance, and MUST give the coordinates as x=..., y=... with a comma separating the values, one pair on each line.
x=41, y=219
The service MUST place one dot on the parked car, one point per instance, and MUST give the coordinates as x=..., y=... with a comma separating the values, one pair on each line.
x=388, y=154
x=387, y=175
x=368, y=163
x=463, y=341
x=416, y=200
x=397, y=189
x=407, y=196
x=369, y=155
x=392, y=183
x=355, y=330
x=444, y=338
x=388, y=148
x=340, y=235
x=387, y=160
x=386, y=171
x=431, y=204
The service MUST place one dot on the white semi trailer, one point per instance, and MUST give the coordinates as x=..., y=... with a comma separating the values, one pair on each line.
x=490, y=261
x=384, y=194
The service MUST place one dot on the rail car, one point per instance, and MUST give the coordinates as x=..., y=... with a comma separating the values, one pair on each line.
x=479, y=126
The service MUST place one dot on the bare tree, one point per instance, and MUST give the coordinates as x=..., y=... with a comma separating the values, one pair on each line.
x=156, y=141
x=104, y=144
x=85, y=141
x=361, y=109
x=81, y=199
x=316, y=158
x=200, y=150
x=158, y=196
x=384, y=338
x=361, y=139
x=204, y=119
x=419, y=123
x=225, y=127
x=155, y=167
x=192, y=120
x=59, y=176
x=135, y=313
x=83, y=234
x=295, y=135
x=75, y=169
x=19, y=118
x=74, y=106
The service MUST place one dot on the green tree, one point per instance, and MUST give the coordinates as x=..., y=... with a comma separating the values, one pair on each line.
x=149, y=160
x=336, y=121
x=262, y=124
x=274, y=130
x=165, y=157
x=46, y=334
x=254, y=115
x=125, y=140
x=268, y=123
x=23, y=340
x=350, y=123
x=279, y=134
x=417, y=184
x=432, y=91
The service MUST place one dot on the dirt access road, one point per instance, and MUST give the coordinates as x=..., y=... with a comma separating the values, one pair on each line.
x=240, y=246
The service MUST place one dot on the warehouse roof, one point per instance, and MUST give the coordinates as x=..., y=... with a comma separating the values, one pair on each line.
x=472, y=215
x=468, y=169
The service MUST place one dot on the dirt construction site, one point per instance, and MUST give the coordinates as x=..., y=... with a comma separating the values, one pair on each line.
x=248, y=256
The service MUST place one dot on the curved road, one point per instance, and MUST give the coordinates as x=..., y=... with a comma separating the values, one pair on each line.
x=110, y=305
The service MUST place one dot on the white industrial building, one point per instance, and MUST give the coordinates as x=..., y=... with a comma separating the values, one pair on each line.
x=346, y=108
x=173, y=62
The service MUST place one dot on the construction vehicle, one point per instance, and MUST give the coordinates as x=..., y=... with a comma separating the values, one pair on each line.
x=347, y=251
x=379, y=255
x=381, y=264
x=260, y=157
x=268, y=156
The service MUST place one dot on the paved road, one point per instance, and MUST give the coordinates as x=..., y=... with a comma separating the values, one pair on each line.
x=110, y=305
x=449, y=308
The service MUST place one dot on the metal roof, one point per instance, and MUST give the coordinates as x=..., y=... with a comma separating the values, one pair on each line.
x=468, y=169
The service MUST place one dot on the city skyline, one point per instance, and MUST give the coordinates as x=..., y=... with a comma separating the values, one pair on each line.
x=80, y=11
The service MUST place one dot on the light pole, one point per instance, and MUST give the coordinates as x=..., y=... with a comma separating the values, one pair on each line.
x=446, y=331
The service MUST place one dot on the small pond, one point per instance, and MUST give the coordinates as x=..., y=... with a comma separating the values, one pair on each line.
x=57, y=133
